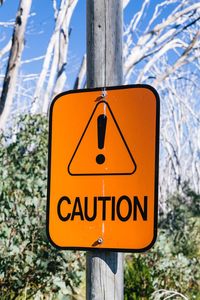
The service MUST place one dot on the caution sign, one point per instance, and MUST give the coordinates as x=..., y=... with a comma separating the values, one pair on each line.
x=103, y=169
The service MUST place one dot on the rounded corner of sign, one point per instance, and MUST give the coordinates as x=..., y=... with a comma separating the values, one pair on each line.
x=51, y=240
x=153, y=90
x=55, y=99
x=151, y=244
x=58, y=97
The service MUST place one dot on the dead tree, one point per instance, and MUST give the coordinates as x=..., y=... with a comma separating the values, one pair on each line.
x=10, y=79
x=53, y=70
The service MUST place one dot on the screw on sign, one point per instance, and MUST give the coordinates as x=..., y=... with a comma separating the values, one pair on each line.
x=103, y=169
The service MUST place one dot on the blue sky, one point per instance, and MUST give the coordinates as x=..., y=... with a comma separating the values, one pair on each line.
x=41, y=24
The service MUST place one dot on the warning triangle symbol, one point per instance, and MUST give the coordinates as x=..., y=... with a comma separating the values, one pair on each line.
x=102, y=149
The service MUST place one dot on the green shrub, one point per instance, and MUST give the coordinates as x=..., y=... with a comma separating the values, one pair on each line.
x=138, y=279
x=173, y=262
x=29, y=265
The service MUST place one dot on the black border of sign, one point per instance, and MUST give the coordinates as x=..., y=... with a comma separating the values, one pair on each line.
x=128, y=250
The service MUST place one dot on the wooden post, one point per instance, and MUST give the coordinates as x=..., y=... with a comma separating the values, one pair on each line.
x=104, y=273
x=104, y=43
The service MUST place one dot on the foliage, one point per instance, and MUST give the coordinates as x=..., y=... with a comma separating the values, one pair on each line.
x=173, y=262
x=29, y=265
x=138, y=279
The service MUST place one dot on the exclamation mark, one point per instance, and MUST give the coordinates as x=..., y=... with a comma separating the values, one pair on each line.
x=101, y=132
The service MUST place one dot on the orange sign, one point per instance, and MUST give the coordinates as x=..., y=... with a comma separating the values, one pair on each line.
x=103, y=169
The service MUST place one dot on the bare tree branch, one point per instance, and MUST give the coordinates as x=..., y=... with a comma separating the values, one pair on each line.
x=159, y=40
x=6, y=49
x=81, y=74
x=180, y=61
x=125, y=3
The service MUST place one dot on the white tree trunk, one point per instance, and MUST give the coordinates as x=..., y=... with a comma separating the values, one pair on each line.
x=10, y=79
x=43, y=75
x=53, y=70
x=63, y=49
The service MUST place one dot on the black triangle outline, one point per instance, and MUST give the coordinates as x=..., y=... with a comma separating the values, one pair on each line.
x=123, y=139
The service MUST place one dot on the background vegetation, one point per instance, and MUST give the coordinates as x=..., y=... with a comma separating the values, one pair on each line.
x=172, y=265
x=29, y=265
x=30, y=268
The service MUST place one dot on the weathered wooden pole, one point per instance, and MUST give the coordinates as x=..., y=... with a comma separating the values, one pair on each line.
x=104, y=273
x=104, y=43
